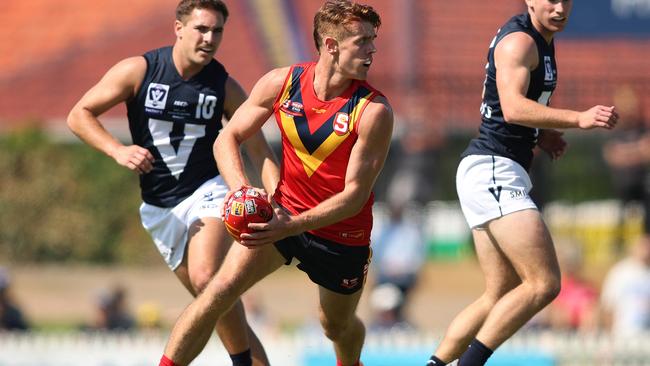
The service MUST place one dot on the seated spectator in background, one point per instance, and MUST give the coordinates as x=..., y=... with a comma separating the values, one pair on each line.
x=11, y=317
x=625, y=299
x=627, y=153
x=398, y=255
x=576, y=306
x=112, y=313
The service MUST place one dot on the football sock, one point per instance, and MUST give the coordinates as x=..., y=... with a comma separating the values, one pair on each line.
x=242, y=359
x=164, y=361
x=358, y=363
x=435, y=361
x=476, y=354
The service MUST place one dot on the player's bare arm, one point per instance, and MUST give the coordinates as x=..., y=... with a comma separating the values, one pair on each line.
x=118, y=85
x=247, y=121
x=256, y=146
x=366, y=161
x=516, y=56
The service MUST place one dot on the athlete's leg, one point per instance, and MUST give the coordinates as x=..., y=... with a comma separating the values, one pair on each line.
x=524, y=239
x=206, y=249
x=341, y=324
x=241, y=269
x=500, y=278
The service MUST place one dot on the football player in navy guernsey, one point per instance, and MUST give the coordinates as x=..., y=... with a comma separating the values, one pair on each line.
x=176, y=98
x=513, y=245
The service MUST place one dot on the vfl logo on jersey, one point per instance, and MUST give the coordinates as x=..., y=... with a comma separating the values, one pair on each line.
x=549, y=73
x=156, y=96
x=341, y=123
x=295, y=109
x=175, y=146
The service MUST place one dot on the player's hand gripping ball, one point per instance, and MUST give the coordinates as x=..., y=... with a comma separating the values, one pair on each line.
x=246, y=206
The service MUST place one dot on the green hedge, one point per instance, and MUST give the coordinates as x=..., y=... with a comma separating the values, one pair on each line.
x=65, y=202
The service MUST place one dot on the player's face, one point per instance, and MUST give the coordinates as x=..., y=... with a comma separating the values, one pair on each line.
x=200, y=36
x=550, y=16
x=356, y=50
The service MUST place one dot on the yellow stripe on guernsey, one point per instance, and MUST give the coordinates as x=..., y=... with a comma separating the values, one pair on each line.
x=311, y=162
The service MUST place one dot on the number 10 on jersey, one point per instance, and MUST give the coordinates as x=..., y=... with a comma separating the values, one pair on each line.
x=205, y=106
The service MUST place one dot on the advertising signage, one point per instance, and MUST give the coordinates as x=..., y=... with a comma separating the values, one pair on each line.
x=609, y=18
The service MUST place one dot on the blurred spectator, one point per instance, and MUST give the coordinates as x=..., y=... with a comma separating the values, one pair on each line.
x=628, y=155
x=625, y=299
x=398, y=255
x=11, y=317
x=576, y=306
x=111, y=311
x=420, y=142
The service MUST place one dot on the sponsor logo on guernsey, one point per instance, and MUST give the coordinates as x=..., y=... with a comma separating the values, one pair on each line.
x=291, y=108
x=156, y=96
x=518, y=194
x=358, y=234
x=181, y=103
x=319, y=110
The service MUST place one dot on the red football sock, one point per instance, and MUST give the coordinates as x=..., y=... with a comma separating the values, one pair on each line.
x=358, y=363
x=164, y=361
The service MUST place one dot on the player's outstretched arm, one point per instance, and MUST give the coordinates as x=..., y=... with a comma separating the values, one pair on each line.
x=119, y=84
x=366, y=161
x=515, y=57
x=256, y=146
x=245, y=123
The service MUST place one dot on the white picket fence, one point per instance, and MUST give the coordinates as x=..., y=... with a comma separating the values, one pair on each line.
x=398, y=348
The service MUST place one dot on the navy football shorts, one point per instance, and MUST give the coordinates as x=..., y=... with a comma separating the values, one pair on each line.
x=337, y=267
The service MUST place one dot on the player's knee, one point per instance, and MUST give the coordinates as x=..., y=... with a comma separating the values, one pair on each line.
x=200, y=277
x=489, y=299
x=333, y=329
x=547, y=290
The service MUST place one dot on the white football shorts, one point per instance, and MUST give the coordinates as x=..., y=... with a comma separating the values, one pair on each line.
x=169, y=226
x=490, y=187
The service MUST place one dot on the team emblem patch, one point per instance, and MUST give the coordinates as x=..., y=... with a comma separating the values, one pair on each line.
x=156, y=96
x=341, y=123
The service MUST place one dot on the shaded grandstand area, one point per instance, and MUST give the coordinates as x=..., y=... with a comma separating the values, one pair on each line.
x=430, y=51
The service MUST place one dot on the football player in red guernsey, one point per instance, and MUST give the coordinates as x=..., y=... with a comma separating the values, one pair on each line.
x=336, y=131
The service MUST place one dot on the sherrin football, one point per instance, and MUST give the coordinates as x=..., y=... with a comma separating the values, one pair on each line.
x=246, y=206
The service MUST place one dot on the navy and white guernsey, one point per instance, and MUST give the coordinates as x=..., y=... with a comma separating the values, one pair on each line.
x=496, y=136
x=178, y=121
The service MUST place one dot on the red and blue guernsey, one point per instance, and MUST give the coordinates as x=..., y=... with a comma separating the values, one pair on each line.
x=317, y=139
